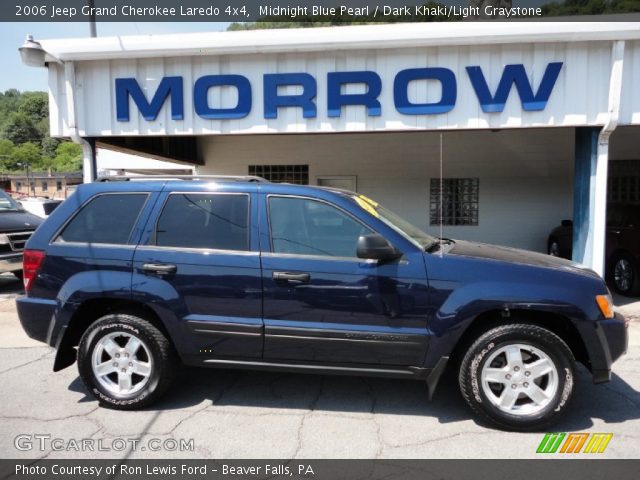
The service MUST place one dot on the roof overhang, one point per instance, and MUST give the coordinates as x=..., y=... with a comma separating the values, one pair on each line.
x=336, y=38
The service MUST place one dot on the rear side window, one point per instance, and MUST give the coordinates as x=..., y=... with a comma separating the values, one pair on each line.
x=105, y=219
x=214, y=221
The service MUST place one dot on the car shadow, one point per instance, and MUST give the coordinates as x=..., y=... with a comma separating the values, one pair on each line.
x=615, y=402
x=10, y=285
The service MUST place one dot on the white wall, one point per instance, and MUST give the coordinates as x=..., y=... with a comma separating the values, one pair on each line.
x=526, y=176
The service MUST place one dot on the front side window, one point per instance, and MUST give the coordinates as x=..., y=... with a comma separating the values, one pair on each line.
x=212, y=221
x=308, y=227
x=105, y=219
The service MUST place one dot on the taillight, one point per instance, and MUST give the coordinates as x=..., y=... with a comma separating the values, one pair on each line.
x=31, y=261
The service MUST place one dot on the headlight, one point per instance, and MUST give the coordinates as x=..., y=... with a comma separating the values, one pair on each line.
x=3, y=239
x=605, y=304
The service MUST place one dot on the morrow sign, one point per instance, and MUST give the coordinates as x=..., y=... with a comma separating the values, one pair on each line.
x=172, y=88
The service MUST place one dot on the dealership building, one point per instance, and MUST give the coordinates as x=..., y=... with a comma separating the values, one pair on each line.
x=509, y=127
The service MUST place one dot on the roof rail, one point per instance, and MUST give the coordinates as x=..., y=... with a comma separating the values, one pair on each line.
x=141, y=178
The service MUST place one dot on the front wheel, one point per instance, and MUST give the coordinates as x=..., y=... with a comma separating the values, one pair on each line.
x=518, y=377
x=125, y=361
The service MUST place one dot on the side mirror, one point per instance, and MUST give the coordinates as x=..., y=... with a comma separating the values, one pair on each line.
x=567, y=223
x=376, y=247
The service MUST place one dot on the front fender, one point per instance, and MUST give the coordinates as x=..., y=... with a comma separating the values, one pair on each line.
x=464, y=303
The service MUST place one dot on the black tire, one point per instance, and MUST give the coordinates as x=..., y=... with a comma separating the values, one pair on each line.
x=624, y=275
x=493, y=341
x=157, y=351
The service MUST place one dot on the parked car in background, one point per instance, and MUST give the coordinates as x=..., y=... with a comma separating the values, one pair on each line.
x=16, y=227
x=42, y=207
x=622, y=251
x=133, y=279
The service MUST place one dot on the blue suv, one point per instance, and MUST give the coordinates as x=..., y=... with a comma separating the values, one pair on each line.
x=135, y=278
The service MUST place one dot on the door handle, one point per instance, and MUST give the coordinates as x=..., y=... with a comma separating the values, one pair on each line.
x=290, y=277
x=160, y=268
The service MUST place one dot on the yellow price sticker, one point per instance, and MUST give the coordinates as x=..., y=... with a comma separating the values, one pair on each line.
x=367, y=206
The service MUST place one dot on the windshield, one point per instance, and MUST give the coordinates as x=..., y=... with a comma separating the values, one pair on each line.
x=396, y=222
x=7, y=203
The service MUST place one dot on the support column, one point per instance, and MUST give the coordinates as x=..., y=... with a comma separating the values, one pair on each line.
x=590, y=198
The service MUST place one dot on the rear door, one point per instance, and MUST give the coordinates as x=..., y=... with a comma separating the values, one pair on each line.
x=199, y=266
x=322, y=303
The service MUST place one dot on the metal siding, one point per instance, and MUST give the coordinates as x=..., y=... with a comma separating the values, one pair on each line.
x=630, y=105
x=579, y=97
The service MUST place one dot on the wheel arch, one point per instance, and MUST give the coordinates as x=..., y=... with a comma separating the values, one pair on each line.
x=90, y=311
x=562, y=326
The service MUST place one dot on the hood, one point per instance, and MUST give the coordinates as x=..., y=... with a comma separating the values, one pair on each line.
x=515, y=255
x=18, y=221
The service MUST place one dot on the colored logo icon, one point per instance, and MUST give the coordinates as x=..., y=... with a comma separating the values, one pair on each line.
x=574, y=443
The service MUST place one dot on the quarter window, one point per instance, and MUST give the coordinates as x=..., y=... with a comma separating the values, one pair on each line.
x=308, y=227
x=215, y=221
x=105, y=219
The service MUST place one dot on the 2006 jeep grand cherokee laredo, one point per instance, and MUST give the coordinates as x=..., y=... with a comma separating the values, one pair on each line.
x=229, y=272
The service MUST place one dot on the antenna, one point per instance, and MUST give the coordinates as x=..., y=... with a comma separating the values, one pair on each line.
x=441, y=194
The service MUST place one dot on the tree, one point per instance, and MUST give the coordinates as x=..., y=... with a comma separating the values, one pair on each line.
x=19, y=128
x=34, y=105
x=27, y=153
x=68, y=157
x=6, y=154
x=49, y=146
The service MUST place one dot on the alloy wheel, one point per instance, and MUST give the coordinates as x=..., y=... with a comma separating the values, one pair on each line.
x=623, y=274
x=519, y=379
x=122, y=363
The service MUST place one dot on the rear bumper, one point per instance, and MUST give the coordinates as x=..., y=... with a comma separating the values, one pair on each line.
x=611, y=339
x=37, y=317
x=11, y=262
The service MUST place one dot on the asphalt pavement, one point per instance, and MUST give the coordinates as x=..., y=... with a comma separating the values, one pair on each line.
x=242, y=414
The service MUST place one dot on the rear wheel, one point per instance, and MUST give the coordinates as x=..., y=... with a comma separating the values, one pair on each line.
x=518, y=377
x=125, y=361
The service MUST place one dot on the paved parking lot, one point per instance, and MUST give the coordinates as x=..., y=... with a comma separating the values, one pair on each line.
x=233, y=414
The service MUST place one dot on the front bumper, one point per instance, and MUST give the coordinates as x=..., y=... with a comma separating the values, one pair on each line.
x=610, y=341
x=11, y=262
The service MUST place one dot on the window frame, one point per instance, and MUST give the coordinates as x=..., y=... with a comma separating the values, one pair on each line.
x=152, y=242
x=56, y=236
x=303, y=255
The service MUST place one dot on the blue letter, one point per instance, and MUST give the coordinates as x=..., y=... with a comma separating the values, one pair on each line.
x=514, y=74
x=201, y=103
x=126, y=87
x=337, y=99
x=272, y=101
x=401, y=96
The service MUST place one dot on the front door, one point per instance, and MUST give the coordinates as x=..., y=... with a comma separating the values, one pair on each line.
x=322, y=303
x=198, y=267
